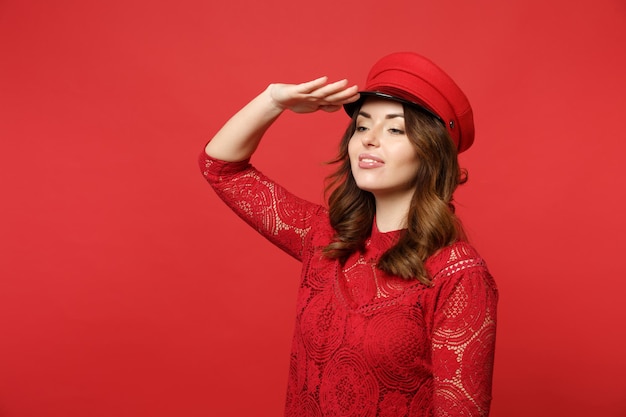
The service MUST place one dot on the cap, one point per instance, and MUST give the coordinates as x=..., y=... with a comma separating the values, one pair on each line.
x=412, y=79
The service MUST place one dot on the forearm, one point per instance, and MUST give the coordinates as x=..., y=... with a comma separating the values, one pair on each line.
x=240, y=136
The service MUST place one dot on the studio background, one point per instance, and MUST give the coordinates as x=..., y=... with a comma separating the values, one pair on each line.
x=128, y=289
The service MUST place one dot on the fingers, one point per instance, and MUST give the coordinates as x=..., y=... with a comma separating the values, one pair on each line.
x=313, y=95
x=328, y=90
x=343, y=95
x=310, y=86
x=321, y=88
x=328, y=94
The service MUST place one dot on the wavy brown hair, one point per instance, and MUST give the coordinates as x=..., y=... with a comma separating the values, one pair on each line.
x=431, y=222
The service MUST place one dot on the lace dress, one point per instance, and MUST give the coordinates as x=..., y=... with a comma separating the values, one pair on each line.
x=365, y=343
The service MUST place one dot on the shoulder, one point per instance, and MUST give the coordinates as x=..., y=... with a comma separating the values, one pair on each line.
x=462, y=285
x=458, y=262
x=453, y=258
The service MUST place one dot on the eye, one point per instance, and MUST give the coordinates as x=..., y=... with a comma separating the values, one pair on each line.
x=361, y=128
x=395, y=131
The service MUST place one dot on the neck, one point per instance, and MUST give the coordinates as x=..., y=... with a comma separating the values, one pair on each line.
x=391, y=213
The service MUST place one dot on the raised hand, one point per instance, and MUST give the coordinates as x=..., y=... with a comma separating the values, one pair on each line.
x=240, y=136
x=313, y=95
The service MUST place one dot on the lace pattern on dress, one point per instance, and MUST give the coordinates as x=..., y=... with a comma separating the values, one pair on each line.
x=270, y=209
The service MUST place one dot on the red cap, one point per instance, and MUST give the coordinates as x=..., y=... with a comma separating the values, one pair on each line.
x=413, y=79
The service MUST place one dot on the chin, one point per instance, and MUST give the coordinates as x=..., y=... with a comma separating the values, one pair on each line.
x=367, y=187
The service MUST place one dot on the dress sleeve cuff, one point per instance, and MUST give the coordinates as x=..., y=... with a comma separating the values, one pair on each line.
x=216, y=167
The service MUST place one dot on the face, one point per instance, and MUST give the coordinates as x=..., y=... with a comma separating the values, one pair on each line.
x=382, y=157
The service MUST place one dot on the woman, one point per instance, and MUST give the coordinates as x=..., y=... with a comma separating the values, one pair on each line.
x=396, y=312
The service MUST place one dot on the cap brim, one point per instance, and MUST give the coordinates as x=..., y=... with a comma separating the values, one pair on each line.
x=350, y=108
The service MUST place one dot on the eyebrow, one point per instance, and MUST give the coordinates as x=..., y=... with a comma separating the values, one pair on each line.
x=389, y=116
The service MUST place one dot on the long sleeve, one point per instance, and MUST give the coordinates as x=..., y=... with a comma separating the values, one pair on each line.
x=278, y=215
x=463, y=340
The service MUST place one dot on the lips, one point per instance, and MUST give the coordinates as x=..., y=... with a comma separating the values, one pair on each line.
x=368, y=161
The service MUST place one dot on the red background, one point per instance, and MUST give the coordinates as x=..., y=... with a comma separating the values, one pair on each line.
x=128, y=289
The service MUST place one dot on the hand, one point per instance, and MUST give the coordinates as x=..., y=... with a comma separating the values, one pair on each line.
x=313, y=95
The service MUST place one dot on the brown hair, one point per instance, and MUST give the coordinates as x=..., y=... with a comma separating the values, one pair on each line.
x=431, y=222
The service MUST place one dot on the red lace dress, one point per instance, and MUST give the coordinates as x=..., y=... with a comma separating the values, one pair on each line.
x=365, y=343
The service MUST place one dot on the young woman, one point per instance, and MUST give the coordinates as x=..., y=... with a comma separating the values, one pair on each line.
x=396, y=311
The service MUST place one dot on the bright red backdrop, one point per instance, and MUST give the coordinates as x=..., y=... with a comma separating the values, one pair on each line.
x=127, y=289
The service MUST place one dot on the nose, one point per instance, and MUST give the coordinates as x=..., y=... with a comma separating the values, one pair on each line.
x=370, y=138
